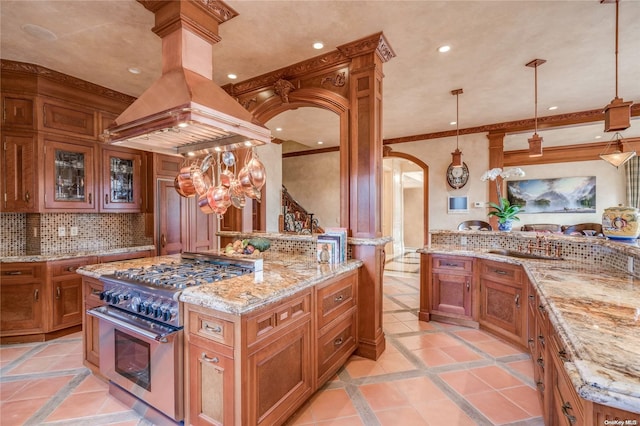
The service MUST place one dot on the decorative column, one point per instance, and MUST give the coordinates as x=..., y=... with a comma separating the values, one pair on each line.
x=496, y=159
x=365, y=182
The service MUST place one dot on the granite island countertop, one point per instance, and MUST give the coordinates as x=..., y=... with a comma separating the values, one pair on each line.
x=281, y=277
x=596, y=313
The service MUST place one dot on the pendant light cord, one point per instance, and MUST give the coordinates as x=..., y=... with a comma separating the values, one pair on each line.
x=535, y=113
x=617, y=6
x=457, y=120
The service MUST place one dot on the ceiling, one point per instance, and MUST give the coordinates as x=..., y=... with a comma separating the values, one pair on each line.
x=491, y=41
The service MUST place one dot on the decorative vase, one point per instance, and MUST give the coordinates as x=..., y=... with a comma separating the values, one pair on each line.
x=506, y=226
x=621, y=223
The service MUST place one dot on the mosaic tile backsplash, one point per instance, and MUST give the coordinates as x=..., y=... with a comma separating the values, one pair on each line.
x=37, y=234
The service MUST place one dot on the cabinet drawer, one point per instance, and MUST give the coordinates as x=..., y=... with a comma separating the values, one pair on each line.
x=76, y=120
x=92, y=290
x=452, y=263
x=12, y=272
x=337, y=344
x=211, y=328
x=68, y=267
x=266, y=323
x=508, y=274
x=335, y=298
x=567, y=404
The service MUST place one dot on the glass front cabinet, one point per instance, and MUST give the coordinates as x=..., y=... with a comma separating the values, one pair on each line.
x=121, y=181
x=70, y=178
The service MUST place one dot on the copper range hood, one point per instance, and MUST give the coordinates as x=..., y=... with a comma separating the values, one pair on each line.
x=184, y=110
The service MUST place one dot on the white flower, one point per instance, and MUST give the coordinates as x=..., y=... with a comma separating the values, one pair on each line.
x=512, y=172
x=491, y=174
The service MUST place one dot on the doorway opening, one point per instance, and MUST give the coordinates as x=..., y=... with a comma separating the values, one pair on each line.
x=404, y=211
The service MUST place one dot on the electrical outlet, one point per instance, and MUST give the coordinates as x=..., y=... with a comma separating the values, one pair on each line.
x=463, y=240
x=62, y=231
x=35, y=232
x=73, y=231
x=630, y=264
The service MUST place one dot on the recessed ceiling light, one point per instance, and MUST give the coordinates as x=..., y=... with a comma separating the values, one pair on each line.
x=183, y=125
x=191, y=154
x=248, y=143
x=320, y=142
x=278, y=129
x=453, y=123
x=133, y=70
x=444, y=49
x=553, y=108
x=39, y=32
x=232, y=76
x=598, y=137
x=318, y=45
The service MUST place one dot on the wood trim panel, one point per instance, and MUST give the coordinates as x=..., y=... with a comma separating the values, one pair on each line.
x=311, y=152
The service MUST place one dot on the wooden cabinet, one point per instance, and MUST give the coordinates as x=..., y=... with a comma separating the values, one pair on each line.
x=503, y=306
x=66, y=292
x=91, y=289
x=567, y=407
x=121, y=180
x=541, y=363
x=69, y=176
x=18, y=112
x=336, y=324
x=23, y=298
x=260, y=367
x=451, y=289
x=19, y=169
x=67, y=118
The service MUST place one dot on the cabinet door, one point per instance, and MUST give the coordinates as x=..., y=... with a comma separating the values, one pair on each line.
x=69, y=179
x=452, y=293
x=19, y=170
x=171, y=207
x=211, y=399
x=23, y=298
x=501, y=308
x=121, y=181
x=91, y=325
x=17, y=112
x=279, y=376
x=202, y=229
x=67, y=301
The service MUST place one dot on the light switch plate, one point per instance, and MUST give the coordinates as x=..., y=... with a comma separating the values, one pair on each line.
x=73, y=231
x=61, y=231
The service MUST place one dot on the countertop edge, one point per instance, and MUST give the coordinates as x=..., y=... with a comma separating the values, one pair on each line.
x=62, y=256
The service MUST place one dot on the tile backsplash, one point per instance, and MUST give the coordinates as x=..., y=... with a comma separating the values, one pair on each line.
x=37, y=234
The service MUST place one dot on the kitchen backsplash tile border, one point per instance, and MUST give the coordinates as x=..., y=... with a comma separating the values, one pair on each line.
x=37, y=234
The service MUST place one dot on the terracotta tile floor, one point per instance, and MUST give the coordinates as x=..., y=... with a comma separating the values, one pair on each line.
x=430, y=374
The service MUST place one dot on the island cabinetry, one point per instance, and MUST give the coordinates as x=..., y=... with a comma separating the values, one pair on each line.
x=66, y=292
x=91, y=289
x=337, y=327
x=450, y=287
x=23, y=298
x=210, y=369
x=540, y=354
x=503, y=308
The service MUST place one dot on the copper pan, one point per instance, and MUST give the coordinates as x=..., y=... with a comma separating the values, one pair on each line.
x=183, y=183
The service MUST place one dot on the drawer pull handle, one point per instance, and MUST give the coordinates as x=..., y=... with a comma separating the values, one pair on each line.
x=215, y=329
x=338, y=341
x=106, y=198
x=36, y=294
x=13, y=273
x=90, y=199
x=532, y=297
x=214, y=360
x=541, y=339
x=58, y=293
x=540, y=362
x=540, y=386
x=27, y=196
x=517, y=300
x=338, y=298
x=565, y=408
x=71, y=269
x=563, y=355
x=468, y=286
x=541, y=309
x=452, y=265
x=500, y=272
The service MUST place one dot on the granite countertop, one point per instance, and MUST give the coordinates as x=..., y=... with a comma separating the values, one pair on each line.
x=282, y=276
x=62, y=256
x=596, y=313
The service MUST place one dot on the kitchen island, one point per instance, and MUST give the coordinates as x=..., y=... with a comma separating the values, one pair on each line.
x=257, y=346
x=584, y=316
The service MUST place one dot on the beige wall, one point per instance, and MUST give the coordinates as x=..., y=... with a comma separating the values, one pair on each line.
x=314, y=182
x=271, y=157
x=413, y=218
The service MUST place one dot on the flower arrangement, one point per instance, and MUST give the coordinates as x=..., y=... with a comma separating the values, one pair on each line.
x=505, y=211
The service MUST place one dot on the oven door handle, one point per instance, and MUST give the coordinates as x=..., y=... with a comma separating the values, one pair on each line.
x=133, y=324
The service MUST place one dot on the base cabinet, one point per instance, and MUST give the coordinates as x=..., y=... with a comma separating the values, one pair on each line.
x=450, y=289
x=258, y=368
x=23, y=298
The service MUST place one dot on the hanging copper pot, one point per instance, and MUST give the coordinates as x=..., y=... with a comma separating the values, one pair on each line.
x=257, y=173
x=219, y=199
x=184, y=184
x=203, y=203
x=237, y=194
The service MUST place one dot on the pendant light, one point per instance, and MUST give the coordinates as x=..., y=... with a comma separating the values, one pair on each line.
x=535, y=142
x=456, y=156
x=617, y=158
x=617, y=115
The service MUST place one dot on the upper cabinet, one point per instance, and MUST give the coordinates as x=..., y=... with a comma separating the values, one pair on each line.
x=52, y=159
x=69, y=176
x=121, y=181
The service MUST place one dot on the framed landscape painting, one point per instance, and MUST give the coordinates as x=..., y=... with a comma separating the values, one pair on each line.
x=556, y=195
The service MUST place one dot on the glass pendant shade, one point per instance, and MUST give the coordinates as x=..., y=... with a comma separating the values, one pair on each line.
x=617, y=159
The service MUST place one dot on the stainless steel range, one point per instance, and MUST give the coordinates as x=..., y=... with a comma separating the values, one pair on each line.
x=141, y=325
